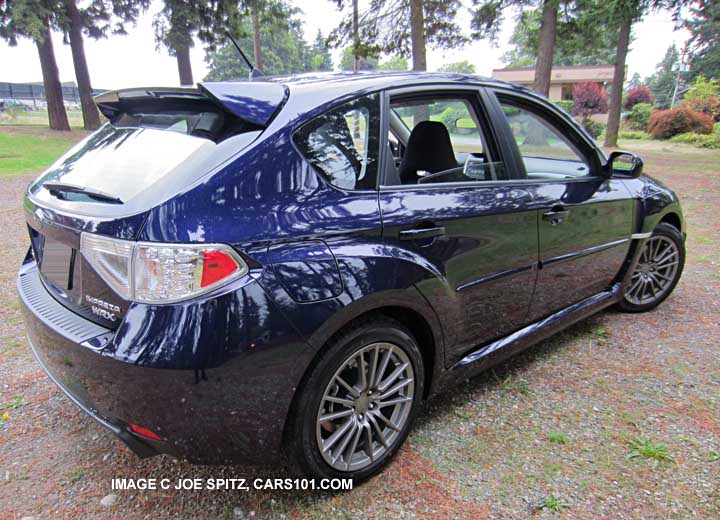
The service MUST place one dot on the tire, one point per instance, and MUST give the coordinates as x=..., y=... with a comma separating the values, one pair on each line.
x=321, y=395
x=658, y=271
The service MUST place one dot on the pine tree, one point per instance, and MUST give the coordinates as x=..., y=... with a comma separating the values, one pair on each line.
x=34, y=19
x=95, y=20
x=180, y=21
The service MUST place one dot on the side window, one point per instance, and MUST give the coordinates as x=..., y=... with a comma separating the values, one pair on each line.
x=442, y=139
x=546, y=151
x=343, y=143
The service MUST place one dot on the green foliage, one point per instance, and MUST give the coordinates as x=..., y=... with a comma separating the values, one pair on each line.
x=711, y=141
x=558, y=437
x=16, y=402
x=648, y=449
x=664, y=124
x=385, y=25
x=179, y=21
x=25, y=19
x=662, y=82
x=584, y=36
x=639, y=116
x=463, y=67
x=704, y=89
x=394, y=63
x=704, y=96
x=565, y=104
x=594, y=128
x=320, y=57
x=284, y=51
x=367, y=62
x=624, y=134
x=553, y=504
x=703, y=23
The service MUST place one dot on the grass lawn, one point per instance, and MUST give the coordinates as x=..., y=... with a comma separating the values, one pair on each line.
x=25, y=149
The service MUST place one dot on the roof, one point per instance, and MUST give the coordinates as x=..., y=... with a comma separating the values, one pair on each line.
x=319, y=88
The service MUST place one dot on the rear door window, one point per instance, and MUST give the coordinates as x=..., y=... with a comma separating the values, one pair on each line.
x=342, y=144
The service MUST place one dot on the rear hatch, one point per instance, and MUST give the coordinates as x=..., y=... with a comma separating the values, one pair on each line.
x=157, y=143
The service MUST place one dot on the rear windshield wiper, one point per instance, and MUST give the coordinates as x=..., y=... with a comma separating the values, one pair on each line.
x=59, y=188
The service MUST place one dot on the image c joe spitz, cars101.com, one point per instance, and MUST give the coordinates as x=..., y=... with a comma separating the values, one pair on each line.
x=247, y=272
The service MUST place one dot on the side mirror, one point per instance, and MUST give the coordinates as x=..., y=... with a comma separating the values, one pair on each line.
x=625, y=163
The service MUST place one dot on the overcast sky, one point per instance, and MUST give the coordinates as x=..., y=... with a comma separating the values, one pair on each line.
x=132, y=60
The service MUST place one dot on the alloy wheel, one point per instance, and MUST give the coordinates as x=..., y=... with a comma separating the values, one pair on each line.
x=655, y=272
x=365, y=406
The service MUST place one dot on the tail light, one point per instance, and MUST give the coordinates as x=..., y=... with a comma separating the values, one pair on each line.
x=151, y=272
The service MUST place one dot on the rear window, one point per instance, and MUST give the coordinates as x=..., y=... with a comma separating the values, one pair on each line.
x=122, y=162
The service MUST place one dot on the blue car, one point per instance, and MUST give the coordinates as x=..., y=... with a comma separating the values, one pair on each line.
x=285, y=269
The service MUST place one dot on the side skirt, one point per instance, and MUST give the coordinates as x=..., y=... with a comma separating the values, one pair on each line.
x=497, y=351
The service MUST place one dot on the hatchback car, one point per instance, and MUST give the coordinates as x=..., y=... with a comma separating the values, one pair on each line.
x=245, y=271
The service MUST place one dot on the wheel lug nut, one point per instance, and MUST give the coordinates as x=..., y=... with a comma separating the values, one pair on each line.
x=360, y=417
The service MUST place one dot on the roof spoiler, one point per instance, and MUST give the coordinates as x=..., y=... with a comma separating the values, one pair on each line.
x=256, y=103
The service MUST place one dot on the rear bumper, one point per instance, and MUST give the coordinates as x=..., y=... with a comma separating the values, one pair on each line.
x=232, y=410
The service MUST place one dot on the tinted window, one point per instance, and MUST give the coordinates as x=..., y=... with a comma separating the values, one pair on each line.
x=342, y=144
x=440, y=138
x=546, y=151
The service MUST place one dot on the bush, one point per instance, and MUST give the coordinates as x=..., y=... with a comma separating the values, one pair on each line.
x=594, y=128
x=664, y=124
x=589, y=98
x=565, y=104
x=709, y=106
x=704, y=96
x=639, y=94
x=639, y=116
x=699, y=140
x=624, y=134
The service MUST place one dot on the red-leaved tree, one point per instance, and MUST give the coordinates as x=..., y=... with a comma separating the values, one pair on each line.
x=639, y=94
x=589, y=98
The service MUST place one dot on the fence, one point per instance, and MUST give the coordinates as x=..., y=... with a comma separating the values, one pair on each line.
x=34, y=94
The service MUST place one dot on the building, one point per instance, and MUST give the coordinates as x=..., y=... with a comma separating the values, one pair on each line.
x=562, y=79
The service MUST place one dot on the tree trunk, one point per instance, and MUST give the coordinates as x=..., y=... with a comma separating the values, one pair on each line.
x=51, y=79
x=356, y=36
x=613, y=125
x=91, y=117
x=546, y=47
x=417, y=35
x=257, y=46
x=182, y=53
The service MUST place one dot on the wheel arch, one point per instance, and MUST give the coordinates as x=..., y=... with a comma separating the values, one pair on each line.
x=424, y=331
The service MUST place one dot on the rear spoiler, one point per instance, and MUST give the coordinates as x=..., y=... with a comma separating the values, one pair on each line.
x=256, y=103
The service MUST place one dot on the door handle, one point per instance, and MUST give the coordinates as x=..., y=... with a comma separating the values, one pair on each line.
x=556, y=215
x=420, y=233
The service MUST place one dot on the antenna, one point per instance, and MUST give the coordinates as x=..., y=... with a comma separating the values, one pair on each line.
x=254, y=73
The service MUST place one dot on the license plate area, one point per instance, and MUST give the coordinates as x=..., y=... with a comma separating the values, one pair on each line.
x=57, y=263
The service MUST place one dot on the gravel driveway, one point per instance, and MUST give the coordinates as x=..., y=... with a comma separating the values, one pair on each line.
x=617, y=417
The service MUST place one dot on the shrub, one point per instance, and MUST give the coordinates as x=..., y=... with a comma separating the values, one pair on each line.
x=664, y=124
x=594, y=128
x=709, y=106
x=565, y=104
x=639, y=94
x=704, y=96
x=699, y=140
x=589, y=98
x=624, y=134
x=639, y=116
